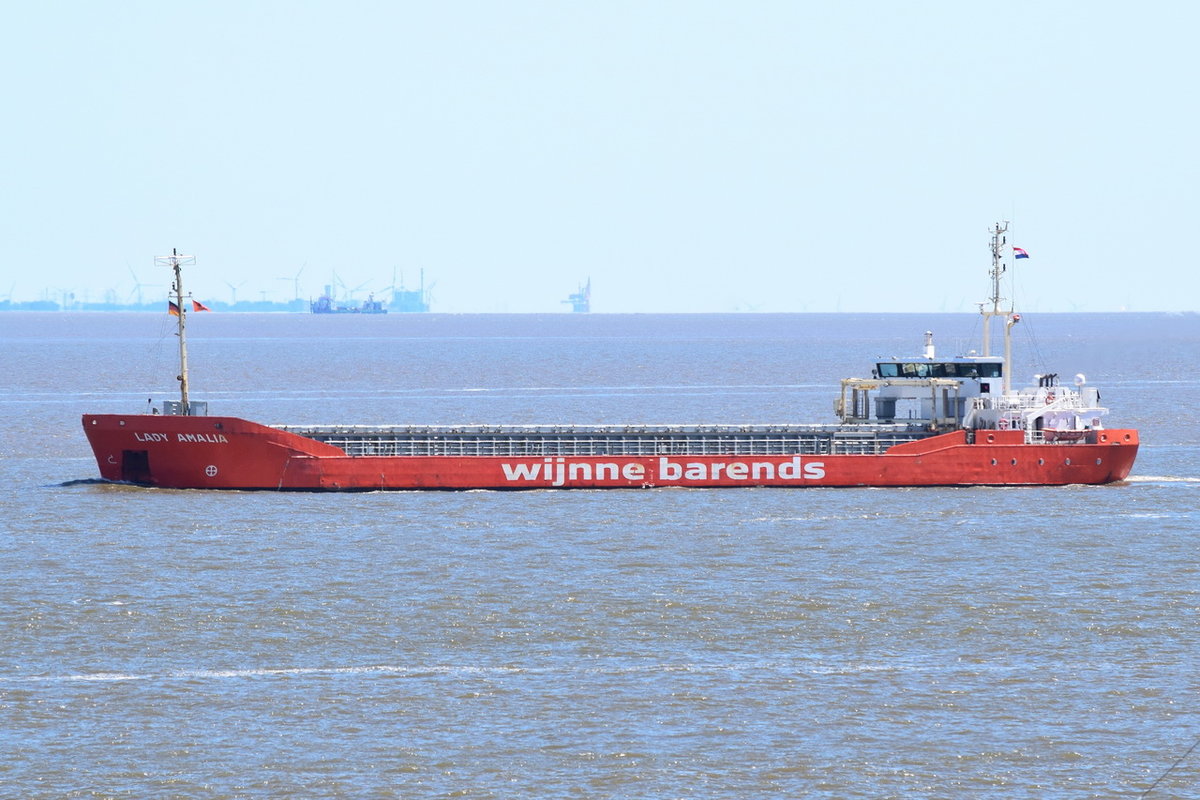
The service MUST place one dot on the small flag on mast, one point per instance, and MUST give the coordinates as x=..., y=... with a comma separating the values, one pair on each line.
x=172, y=309
x=198, y=306
x=1019, y=252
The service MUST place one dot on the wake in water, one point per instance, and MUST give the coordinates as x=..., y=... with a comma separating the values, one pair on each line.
x=807, y=667
x=101, y=482
x=1160, y=479
x=113, y=677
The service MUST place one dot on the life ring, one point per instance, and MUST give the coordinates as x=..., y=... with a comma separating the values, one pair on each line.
x=1049, y=398
x=1002, y=423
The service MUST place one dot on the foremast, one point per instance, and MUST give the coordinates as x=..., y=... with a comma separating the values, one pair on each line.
x=176, y=261
x=999, y=242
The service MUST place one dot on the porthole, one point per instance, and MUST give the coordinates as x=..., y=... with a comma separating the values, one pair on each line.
x=1098, y=461
x=1014, y=462
x=1041, y=462
x=1067, y=462
x=993, y=462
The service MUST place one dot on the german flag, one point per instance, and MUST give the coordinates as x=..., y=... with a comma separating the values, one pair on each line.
x=198, y=306
x=172, y=309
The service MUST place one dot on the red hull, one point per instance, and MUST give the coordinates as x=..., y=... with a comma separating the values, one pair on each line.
x=229, y=453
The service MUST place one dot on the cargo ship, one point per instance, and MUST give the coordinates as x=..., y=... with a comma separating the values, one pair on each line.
x=919, y=421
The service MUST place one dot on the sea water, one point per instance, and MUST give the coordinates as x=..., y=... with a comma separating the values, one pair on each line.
x=826, y=643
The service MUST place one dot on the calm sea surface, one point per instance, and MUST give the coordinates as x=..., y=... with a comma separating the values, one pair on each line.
x=746, y=643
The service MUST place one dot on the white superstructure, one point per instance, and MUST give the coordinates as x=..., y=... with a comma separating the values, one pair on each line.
x=972, y=391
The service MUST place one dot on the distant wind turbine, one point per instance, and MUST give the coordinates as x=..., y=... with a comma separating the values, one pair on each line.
x=295, y=281
x=138, y=286
x=233, y=290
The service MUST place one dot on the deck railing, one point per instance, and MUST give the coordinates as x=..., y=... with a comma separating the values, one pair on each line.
x=545, y=441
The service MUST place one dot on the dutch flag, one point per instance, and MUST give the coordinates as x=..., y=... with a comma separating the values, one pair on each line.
x=1019, y=252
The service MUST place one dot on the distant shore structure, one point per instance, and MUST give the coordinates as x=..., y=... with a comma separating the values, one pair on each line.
x=410, y=301
x=402, y=300
x=581, y=301
x=325, y=304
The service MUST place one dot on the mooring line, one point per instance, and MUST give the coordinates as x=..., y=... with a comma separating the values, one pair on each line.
x=1178, y=761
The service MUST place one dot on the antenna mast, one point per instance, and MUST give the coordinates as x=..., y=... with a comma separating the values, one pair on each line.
x=999, y=241
x=176, y=260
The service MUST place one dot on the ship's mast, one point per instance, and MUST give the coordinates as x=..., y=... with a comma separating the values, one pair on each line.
x=999, y=240
x=176, y=261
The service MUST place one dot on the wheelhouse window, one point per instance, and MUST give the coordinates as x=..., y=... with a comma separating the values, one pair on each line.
x=888, y=370
x=938, y=369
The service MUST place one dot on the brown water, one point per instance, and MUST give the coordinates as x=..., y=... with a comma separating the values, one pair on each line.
x=938, y=643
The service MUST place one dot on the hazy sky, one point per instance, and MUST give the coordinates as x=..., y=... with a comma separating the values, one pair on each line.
x=686, y=156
